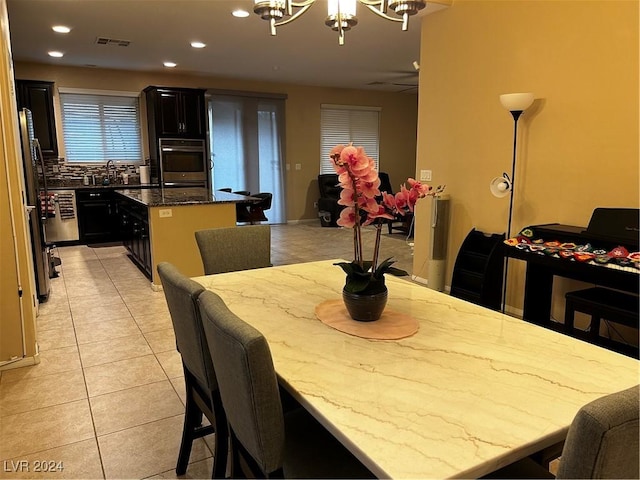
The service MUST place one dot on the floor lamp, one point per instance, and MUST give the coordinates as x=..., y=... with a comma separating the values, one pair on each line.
x=516, y=103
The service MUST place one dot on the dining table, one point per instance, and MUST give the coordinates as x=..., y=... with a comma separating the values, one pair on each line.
x=470, y=391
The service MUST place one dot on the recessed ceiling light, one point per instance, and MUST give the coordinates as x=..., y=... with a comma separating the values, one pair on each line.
x=169, y=64
x=56, y=54
x=198, y=45
x=60, y=29
x=240, y=13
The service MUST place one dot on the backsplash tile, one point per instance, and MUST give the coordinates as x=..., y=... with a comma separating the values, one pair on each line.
x=68, y=173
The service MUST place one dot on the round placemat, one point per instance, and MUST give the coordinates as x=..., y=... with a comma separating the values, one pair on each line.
x=390, y=326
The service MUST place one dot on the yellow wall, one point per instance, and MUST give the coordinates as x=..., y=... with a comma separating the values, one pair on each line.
x=173, y=238
x=14, y=252
x=397, y=130
x=578, y=147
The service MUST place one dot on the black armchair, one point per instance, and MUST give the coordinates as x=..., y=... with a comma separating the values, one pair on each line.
x=328, y=208
x=400, y=222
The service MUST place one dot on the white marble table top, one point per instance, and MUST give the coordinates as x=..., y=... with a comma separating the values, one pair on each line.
x=471, y=391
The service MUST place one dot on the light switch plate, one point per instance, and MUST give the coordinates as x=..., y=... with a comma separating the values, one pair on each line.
x=425, y=175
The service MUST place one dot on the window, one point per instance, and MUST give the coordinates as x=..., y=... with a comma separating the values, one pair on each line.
x=101, y=126
x=345, y=124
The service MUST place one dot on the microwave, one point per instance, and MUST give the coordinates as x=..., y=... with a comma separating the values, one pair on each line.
x=183, y=162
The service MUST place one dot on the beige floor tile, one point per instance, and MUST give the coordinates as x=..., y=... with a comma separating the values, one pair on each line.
x=99, y=312
x=56, y=338
x=80, y=304
x=90, y=273
x=153, y=322
x=106, y=288
x=146, y=450
x=45, y=428
x=178, y=386
x=105, y=330
x=112, y=350
x=79, y=460
x=136, y=293
x=56, y=319
x=51, y=361
x=161, y=340
x=111, y=377
x=171, y=363
x=75, y=253
x=135, y=406
x=201, y=469
x=110, y=252
x=133, y=280
x=154, y=305
x=56, y=304
x=34, y=393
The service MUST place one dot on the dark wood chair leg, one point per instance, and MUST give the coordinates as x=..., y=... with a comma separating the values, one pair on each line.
x=221, y=445
x=192, y=419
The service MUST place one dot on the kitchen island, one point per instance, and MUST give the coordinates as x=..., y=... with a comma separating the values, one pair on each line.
x=159, y=225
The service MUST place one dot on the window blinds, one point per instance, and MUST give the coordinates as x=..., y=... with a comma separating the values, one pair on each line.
x=98, y=128
x=345, y=124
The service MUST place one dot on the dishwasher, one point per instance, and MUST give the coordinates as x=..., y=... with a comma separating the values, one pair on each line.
x=62, y=224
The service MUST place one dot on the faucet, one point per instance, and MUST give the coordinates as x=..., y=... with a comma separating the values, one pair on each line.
x=115, y=176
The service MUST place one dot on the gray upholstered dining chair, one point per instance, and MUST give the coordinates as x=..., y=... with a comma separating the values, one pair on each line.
x=230, y=249
x=602, y=442
x=202, y=394
x=265, y=442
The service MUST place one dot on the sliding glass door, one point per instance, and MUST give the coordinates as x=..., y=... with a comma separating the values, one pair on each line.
x=246, y=140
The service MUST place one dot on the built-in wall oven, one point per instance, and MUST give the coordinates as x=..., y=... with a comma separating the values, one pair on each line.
x=183, y=162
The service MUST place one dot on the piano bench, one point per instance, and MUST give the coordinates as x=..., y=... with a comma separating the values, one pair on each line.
x=600, y=303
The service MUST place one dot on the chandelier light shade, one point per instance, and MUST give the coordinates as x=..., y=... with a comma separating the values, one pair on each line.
x=516, y=103
x=341, y=14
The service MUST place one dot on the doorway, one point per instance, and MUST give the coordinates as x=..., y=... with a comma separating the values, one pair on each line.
x=246, y=138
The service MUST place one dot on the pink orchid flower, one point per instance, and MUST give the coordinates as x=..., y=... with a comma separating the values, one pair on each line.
x=370, y=189
x=347, y=218
x=346, y=197
x=365, y=204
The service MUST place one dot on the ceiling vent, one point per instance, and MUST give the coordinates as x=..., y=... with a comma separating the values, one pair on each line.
x=112, y=41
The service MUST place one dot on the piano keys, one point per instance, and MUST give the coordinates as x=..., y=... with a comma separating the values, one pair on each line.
x=611, y=233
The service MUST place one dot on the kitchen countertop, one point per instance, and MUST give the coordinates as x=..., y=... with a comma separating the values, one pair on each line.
x=165, y=197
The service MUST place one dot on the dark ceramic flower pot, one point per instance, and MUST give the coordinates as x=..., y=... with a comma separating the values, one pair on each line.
x=365, y=307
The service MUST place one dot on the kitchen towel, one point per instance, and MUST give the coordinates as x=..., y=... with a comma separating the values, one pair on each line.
x=144, y=175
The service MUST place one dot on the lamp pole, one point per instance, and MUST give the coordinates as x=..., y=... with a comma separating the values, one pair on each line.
x=516, y=103
x=516, y=115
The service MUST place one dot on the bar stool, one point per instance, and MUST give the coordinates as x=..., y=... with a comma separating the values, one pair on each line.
x=600, y=303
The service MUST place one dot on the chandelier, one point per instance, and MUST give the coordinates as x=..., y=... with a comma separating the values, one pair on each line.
x=341, y=15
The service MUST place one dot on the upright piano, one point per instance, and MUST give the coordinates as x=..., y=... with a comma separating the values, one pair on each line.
x=605, y=254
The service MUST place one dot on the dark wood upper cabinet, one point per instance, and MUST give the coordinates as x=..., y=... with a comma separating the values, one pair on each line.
x=37, y=96
x=175, y=112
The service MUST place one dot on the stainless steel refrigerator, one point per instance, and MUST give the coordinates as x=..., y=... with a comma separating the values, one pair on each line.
x=38, y=201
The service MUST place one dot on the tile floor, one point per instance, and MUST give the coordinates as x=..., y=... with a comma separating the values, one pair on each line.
x=107, y=398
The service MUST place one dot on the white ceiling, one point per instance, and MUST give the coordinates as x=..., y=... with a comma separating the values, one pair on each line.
x=304, y=52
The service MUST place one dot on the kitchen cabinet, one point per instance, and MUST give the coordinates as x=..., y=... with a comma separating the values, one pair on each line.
x=37, y=96
x=134, y=228
x=98, y=216
x=175, y=112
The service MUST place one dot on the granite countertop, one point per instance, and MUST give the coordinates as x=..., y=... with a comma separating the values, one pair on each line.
x=165, y=197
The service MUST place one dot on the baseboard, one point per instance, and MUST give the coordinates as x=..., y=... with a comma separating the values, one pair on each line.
x=21, y=362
